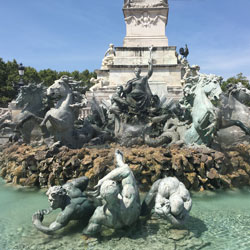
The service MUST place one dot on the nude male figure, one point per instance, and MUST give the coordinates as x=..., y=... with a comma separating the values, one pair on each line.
x=120, y=194
x=73, y=202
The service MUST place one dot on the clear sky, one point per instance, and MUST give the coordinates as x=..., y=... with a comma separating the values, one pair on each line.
x=74, y=34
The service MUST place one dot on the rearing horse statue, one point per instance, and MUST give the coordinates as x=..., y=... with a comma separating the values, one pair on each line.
x=59, y=120
x=239, y=92
x=30, y=100
x=204, y=113
x=203, y=97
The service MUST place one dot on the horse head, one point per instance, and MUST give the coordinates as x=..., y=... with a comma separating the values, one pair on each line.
x=240, y=92
x=60, y=88
x=211, y=85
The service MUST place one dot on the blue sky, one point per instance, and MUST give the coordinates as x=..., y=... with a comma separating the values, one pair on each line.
x=74, y=34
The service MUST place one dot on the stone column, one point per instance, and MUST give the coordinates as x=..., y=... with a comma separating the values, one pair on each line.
x=146, y=22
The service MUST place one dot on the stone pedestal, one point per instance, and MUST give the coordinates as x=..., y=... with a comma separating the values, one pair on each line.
x=100, y=94
x=146, y=22
x=166, y=78
x=145, y=27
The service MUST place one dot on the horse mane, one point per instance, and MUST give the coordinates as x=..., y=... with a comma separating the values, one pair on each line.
x=31, y=89
x=204, y=80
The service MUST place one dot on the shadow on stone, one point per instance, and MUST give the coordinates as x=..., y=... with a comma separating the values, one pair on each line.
x=196, y=226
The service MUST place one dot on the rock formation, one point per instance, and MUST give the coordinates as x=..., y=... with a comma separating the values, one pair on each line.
x=198, y=168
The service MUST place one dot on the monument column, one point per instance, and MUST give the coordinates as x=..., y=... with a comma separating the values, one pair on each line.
x=146, y=22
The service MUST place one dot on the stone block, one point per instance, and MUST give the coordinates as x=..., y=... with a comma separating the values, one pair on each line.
x=145, y=26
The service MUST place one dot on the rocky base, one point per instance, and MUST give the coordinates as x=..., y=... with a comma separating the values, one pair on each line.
x=148, y=235
x=199, y=168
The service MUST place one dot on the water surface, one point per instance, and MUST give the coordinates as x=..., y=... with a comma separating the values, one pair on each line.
x=218, y=221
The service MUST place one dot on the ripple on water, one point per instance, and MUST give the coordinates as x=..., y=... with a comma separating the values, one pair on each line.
x=217, y=221
x=227, y=218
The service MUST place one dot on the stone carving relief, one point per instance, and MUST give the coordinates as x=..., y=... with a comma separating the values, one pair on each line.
x=145, y=3
x=145, y=20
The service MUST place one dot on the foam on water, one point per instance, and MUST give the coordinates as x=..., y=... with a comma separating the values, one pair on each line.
x=218, y=221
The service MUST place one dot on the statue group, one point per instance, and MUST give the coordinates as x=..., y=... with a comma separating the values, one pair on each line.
x=139, y=117
x=133, y=115
x=115, y=203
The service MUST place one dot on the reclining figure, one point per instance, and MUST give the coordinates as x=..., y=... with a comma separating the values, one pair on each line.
x=74, y=204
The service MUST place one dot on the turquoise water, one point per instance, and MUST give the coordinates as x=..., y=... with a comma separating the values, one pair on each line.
x=218, y=221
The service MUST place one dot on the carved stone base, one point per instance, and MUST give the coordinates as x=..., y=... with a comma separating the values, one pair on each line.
x=166, y=78
x=101, y=94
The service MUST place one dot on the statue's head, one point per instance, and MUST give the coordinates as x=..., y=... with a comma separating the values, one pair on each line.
x=137, y=72
x=92, y=80
x=187, y=90
x=109, y=191
x=111, y=45
x=59, y=88
x=119, y=89
x=195, y=69
x=56, y=196
x=65, y=78
x=155, y=100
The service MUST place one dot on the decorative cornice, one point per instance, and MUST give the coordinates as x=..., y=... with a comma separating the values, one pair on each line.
x=130, y=4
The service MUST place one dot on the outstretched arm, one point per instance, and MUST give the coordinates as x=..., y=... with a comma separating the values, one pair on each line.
x=150, y=63
x=107, y=52
x=150, y=68
x=61, y=221
x=47, y=230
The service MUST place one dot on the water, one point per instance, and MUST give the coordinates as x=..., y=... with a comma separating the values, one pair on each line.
x=218, y=221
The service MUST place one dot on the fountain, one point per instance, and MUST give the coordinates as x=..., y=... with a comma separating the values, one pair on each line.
x=170, y=145
x=168, y=131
